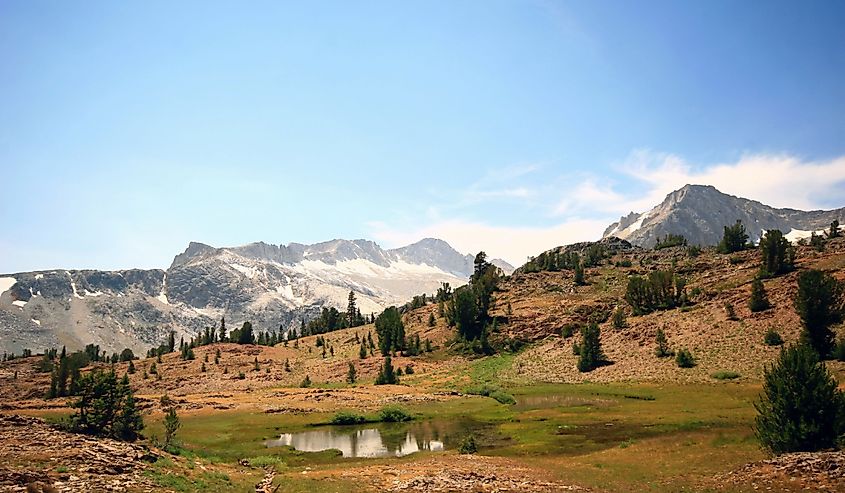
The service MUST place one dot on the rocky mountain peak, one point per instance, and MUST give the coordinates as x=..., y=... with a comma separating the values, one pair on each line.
x=700, y=212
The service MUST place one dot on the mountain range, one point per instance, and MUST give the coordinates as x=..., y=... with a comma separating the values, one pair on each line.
x=273, y=286
x=700, y=212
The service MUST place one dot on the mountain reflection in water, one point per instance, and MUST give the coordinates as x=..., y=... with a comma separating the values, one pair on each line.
x=358, y=442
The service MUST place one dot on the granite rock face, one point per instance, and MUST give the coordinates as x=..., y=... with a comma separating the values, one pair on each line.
x=700, y=213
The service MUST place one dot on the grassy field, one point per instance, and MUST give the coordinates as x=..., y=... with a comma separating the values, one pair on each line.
x=616, y=437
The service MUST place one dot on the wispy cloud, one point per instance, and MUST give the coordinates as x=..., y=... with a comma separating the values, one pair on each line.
x=579, y=209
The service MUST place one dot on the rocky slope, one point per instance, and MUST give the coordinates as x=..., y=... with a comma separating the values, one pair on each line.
x=699, y=213
x=271, y=285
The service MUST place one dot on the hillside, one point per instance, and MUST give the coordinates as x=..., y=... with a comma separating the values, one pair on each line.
x=699, y=213
x=638, y=406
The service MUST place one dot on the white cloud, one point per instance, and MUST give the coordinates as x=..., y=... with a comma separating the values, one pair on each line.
x=779, y=180
x=513, y=244
x=584, y=210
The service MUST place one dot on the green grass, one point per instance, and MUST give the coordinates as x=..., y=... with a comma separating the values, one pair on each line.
x=646, y=437
x=725, y=375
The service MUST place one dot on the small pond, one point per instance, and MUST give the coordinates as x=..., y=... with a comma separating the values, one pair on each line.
x=380, y=440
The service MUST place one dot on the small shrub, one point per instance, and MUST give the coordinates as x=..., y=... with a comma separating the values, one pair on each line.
x=730, y=312
x=569, y=330
x=684, y=359
x=772, y=338
x=347, y=418
x=624, y=263
x=735, y=260
x=619, y=320
x=662, y=350
x=468, y=445
x=503, y=397
x=409, y=370
x=758, y=301
x=693, y=251
x=725, y=375
x=306, y=382
x=493, y=393
x=241, y=376
x=394, y=414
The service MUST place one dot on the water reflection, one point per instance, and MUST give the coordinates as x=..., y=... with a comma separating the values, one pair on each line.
x=355, y=441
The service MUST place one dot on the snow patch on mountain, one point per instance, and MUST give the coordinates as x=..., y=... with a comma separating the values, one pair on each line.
x=6, y=283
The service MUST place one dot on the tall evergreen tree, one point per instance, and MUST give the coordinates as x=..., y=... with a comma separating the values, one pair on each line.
x=590, y=355
x=819, y=302
x=390, y=330
x=777, y=254
x=222, y=329
x=245, y=336
x=352, y=311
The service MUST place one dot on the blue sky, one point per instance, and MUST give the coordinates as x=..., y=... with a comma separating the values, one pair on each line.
x=128, y=129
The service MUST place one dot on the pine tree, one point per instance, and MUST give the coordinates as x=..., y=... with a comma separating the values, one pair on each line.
x=431, y=321
x=351, y=311
x=131, y=369
x=820, y=302
x=128, y=423
x=351, y=374
x=801, y=408
x=256, y=367
x=171, y=342
x=734, y=239
x=758, y=301
x=684, y=359
x=590, y=354
x=171, y=421
x=579, y=274
x=662, y=350
x=834, y=231
x=386, y=374
x=287, y=365
x=362, y=352
x=245, y=336
x=776, y=252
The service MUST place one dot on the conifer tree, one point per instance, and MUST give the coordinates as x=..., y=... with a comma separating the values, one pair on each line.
x=758, y=301
x=222, y=329
x=801, y=408
x=386, y=374
x=351, y=374
x=834, y=231
x=590, y=354
x=171, y=421
x=777, y=254
x=820, y=302
x=662, y=350
x=734, y=239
